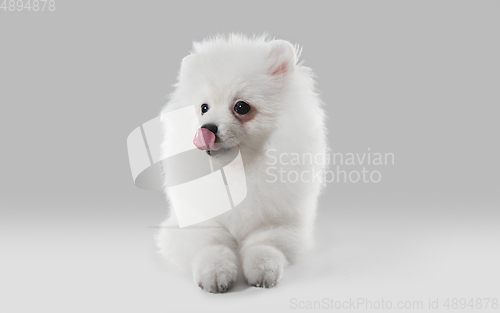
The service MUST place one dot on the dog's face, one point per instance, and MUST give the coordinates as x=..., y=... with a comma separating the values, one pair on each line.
x=237, y=88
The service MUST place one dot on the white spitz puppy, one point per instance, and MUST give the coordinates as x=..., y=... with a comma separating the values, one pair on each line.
x=252, y=94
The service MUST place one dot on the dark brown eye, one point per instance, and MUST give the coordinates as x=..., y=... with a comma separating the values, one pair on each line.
x=204, y=108
x=242, y=108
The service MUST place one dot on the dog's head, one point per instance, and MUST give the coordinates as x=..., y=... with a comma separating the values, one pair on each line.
x=238, y=86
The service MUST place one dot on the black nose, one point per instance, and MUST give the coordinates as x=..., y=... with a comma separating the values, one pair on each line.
x=210, y=127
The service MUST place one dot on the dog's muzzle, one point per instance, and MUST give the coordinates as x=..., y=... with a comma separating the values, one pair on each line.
x=205, y=137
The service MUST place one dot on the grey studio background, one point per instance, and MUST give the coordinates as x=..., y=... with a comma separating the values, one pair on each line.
x=418, y=79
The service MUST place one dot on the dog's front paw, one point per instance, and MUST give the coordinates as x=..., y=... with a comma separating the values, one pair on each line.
x=215, y=269
x=263, y=265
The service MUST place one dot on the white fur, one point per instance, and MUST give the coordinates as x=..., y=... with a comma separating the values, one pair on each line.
x=273, y=226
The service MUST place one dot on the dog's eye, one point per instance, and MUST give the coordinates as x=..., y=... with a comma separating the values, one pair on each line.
x=204, y=108
x=242, y=108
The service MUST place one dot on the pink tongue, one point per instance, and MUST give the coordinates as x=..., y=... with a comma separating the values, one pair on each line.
x=205, y=140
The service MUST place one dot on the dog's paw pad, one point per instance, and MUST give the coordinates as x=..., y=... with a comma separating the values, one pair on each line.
x=263, y=266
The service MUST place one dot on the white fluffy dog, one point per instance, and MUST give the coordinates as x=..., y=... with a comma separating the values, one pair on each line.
x=252, y=94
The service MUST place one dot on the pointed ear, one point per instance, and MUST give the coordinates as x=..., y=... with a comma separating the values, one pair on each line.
x=185, y=60
x=282, y=56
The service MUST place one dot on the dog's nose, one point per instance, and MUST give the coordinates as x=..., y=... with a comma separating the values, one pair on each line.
x=210, y=127
x=205, y=138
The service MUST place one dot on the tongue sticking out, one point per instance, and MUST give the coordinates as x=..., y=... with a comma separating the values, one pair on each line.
x=205, y=140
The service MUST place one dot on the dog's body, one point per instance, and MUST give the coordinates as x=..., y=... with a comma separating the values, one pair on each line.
x=273, y=226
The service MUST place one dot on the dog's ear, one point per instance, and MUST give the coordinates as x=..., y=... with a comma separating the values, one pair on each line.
x=283, y=57
x=185, y=60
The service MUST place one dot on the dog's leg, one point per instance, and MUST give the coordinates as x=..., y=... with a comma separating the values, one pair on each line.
x=208, y=254
x=266, y=253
